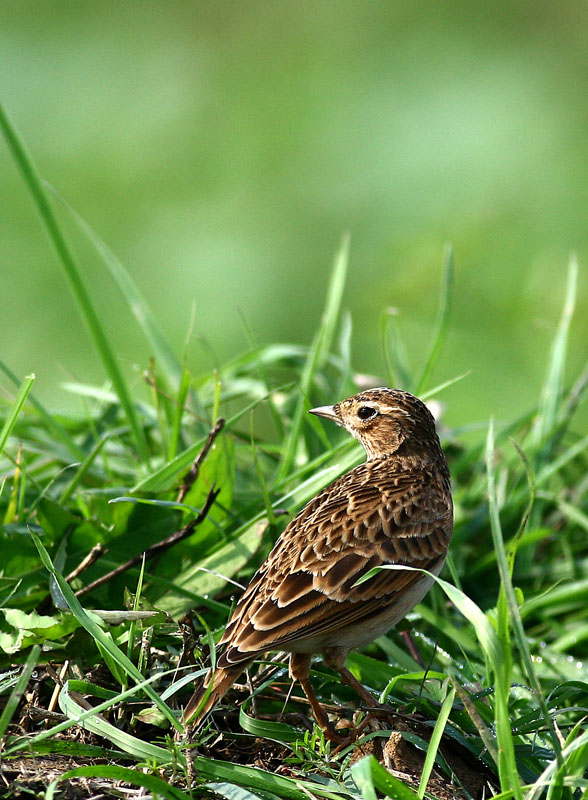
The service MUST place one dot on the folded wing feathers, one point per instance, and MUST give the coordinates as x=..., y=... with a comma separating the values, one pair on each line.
x=300, y=592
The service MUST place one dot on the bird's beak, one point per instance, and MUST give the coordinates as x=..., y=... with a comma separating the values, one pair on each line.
x=328, y=412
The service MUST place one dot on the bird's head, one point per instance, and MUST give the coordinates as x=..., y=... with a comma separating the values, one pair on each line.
x=383, y=420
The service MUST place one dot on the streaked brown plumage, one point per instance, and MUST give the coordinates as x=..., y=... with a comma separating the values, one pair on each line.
x=394, y=509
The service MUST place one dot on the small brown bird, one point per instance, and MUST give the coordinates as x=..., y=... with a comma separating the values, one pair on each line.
x=395, y=508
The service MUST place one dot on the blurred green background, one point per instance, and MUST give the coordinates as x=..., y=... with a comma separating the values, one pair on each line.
x=222, y=148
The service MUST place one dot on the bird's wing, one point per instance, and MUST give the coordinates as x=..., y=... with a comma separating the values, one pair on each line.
x=366, y=519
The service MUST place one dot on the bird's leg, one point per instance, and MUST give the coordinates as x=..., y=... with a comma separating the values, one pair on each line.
x=300, y=671
x=334, y=657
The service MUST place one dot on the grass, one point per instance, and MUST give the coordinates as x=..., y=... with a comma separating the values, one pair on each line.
x=502, y=704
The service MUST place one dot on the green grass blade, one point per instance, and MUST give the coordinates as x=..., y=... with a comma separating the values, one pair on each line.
x=83, y=468
x=410, y=677
x=164, y=355
x=74, y=278
x=440, y=331
x=231, y=792
x=552, y=388
x=268, y=729
x=60, y=432
x=502, y=668
x=317, y=355
x=264, y=491
x=362, y=775
x=19, y=689
x=394, y=350
x=575, y=765
x=508, y=597
x=424, y=396
x=19, y=402
x=473, y=613
x=181, y=397
x=132, y=777
x=260, y=780
x=568, y=455
x=330, y=316
x=165, y=476
x=435, y=741
x=370, y=775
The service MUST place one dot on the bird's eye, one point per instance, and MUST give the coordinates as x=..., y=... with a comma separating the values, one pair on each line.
x=366, y=412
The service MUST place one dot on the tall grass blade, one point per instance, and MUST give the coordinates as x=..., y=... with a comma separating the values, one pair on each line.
x=553, y=386
x=507, y=599
x=554, y=466
x=84, y=467
x=544, y=433
x=507, y=603
x=74, y=278
x=441, y=323
x=182, y=395
x=395, y=355
x=483, y=628
x=60, y=432
x=424, y=396
x=435, y=741
x=317, y=355
x=19, y=402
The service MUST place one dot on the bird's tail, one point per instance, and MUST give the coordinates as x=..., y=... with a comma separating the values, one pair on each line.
x=214, y=688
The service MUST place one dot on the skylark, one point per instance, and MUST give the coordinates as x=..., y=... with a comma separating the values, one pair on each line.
x=395, y=508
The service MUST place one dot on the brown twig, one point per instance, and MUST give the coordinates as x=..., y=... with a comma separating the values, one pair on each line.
x=95, y=553
x=155, y=549
x=169, y=541
x=192, y=473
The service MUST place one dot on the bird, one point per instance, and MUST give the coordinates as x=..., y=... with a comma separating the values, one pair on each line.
x=393, y=509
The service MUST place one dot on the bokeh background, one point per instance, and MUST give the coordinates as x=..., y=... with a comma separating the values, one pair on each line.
x=221, y=149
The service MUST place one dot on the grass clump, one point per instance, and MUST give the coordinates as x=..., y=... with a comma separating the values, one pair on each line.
x=188, y=486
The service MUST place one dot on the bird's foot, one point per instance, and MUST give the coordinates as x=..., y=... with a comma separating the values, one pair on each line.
x=371, y=721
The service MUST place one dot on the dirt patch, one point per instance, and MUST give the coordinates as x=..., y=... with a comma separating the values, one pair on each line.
x=28, y=775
